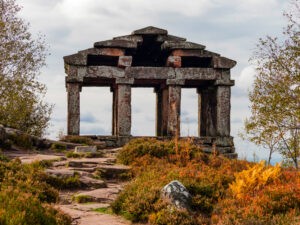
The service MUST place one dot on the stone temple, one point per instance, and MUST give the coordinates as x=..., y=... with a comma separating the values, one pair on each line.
x=150, y=57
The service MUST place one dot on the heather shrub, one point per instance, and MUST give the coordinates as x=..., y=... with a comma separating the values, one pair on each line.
x=206, y=177
x=249, y=181
x=223, y=191
x=179, y=151
x=20, y=207
x=25, y=195
x=78, y=139
x=275, y=200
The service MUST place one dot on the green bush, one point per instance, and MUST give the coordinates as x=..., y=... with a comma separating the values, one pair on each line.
x=62, y=183
x=82, y=198
x=59, y=147
x=22, y=140
x=74, y=155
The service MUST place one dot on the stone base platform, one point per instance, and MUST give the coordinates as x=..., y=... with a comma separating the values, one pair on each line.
x=223, y=145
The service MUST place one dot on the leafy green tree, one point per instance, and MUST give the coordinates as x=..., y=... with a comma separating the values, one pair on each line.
x=21, y=58
x=275, y=97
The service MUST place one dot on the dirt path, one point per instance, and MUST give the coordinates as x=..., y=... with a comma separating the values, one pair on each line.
x=100, y=181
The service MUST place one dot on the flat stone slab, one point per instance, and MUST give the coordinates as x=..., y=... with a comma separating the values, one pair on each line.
x=84, y=218
x=30, y=158
x=65, y=172
x=113, y=171
x=103, y=195
x=79, y=149
x=91, y=182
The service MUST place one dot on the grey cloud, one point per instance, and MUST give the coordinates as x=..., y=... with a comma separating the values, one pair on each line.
x=88, y=118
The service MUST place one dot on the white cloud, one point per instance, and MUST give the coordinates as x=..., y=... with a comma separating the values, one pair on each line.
x=246, y=78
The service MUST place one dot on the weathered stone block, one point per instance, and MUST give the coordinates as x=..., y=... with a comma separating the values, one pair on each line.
x=85, y=149
x=196, y=73
x=174, y=61
x=104, y=72
x=124, y=61
x=222, y=62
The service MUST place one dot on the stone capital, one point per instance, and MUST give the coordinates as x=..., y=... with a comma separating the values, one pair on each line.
x=73, y=86
x=122, y=80
x=224, y=83
x=175, y=82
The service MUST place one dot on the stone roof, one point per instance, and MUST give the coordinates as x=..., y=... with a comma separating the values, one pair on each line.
x=149, y=47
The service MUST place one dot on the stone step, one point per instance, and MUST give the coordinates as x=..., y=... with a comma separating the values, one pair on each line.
x=103, y=195
x=84, y=169
x=100, y=144
x=65, y=172
x=113, y=171
x=60, y=164
x=91, y=162
x=231, y=155
x=92, y=183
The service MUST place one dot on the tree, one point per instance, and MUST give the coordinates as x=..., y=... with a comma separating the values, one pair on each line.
x=275, y=98
x=21, y=58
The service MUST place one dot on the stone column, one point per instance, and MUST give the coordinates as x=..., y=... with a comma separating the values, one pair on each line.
x=223, y=110
x=114, y=110
x=162, y=105
x=73, y=90
x=123, y=110
x=158, y=116
x=174, y=110
x=206, y=111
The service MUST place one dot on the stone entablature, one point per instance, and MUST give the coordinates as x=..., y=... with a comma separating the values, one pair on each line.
x=150, y=57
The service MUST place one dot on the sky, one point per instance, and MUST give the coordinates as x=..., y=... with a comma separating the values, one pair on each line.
x=229, y=27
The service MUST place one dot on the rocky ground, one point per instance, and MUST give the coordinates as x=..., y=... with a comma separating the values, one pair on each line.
x=101, y=180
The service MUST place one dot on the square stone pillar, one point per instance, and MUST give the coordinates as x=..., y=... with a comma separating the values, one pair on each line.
x=174, y=110
x=73, y=90
x=162, y=105
x=114, y=110
x=223, y=110
x=158, y=116
x=206, y=111
x=123, y=117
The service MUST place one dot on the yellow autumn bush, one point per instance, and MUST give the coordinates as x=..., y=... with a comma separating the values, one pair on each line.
x=248, y=182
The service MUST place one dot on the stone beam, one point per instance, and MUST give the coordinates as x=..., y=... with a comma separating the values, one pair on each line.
x=162, y=38
x=105, y=72
x=73, y=90
x=80, y=58
x=141, y=72
x=135, y=38
x=196, y=73
x=124, y=110
x=116, y=43
x=222, y=62
x=171, y=45
x=193, y=52
x=174, y=111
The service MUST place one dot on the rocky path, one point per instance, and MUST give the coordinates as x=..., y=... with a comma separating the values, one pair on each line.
x=100, y=181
